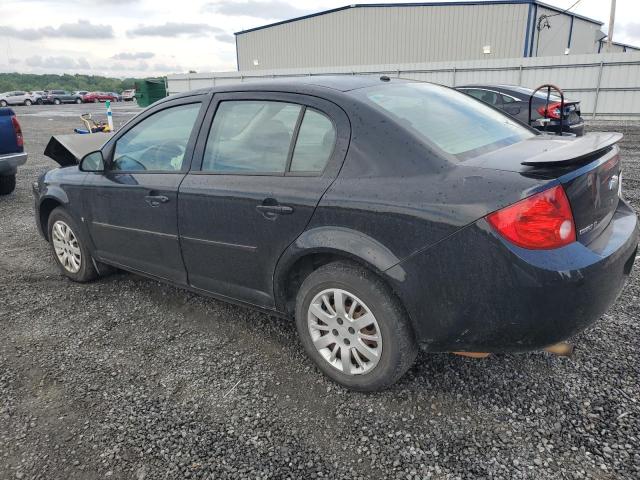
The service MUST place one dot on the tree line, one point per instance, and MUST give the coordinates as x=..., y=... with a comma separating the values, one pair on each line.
x=30, y=82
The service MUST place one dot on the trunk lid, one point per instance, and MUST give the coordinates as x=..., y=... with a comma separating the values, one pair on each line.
x=588, y=167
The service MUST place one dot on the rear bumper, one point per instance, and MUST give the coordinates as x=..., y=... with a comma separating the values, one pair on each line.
x=10, y=162
x=575, y=128
x=476, y=292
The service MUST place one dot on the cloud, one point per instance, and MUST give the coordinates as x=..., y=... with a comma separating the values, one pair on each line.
x=226, y=38
x=61, y=62
x=161, y=67
x=631, y=30
x=142, y=66
x=14, y=61
x=82, y=29
x=133, y=56
x=173, y=29
x=270, y=9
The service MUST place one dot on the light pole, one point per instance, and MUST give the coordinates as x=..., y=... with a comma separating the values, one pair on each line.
x=612, y=18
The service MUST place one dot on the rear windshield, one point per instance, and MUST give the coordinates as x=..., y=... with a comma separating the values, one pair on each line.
x=539, y=94
x=452, y=121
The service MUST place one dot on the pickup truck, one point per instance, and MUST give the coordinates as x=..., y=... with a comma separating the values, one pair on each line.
x=12, y=153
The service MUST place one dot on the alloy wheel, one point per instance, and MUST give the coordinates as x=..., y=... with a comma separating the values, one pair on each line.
x=344, y=331
x=66, y=247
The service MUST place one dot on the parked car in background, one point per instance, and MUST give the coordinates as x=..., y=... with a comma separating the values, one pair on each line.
x=514, y=100
x=57, y=97
x=17, y=97
x=128, y=95
x=95, y=97
x=117, y=97
x=81, y=93
x=12, y=153
x=37, y=96
x=381, y=214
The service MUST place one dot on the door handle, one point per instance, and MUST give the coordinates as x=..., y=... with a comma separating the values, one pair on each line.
x=275, y=209
x=156, y=200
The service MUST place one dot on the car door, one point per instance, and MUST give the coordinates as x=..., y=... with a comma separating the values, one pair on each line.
x=264, y=163
x=133, y=204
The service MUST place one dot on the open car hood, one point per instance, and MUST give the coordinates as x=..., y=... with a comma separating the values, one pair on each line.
x=68, y=150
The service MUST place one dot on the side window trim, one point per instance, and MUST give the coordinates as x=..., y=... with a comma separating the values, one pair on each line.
x=294, y=139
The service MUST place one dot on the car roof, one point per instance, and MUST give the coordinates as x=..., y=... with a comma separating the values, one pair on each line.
x=304, y=84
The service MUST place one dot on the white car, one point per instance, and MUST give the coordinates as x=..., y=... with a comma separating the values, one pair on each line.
x=128, y=95
x=17, y=97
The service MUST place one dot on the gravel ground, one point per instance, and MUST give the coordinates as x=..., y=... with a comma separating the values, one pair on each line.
x=130, y=378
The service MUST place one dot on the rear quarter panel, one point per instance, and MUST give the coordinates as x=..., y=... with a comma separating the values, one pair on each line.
x=7, y=135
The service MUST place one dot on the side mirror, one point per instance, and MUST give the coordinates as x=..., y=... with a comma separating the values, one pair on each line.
x=92, y=162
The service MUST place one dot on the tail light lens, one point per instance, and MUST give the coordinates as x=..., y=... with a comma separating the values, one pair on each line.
x=18, y=130
x=540, y=222
x=553, y=111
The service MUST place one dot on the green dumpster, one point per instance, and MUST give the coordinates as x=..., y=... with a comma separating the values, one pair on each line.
x=150, y=90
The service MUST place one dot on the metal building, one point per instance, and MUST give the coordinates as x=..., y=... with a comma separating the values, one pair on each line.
x=377, y=34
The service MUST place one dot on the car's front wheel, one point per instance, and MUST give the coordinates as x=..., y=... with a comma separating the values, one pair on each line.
x=353, y=327
x=7, y=184
x=28, y=102
x=3, y=103
x=56, y=101
x=69, y=247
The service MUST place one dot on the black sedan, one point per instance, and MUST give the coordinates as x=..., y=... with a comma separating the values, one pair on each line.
x=382, y=215
x=514, y=100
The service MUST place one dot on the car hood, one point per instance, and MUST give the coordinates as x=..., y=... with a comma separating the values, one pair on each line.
x=67, y=150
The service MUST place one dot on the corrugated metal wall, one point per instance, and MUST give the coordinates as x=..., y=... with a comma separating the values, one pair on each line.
x=374, y=35
x=606, y=84
x=554, y=40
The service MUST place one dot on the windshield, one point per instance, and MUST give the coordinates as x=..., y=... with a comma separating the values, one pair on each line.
x=452, y=121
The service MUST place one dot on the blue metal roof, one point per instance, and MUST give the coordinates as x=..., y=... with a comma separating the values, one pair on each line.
x=425, y=4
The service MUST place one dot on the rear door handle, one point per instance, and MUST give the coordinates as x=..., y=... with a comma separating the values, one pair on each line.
x=156, y=200
x=275, y=209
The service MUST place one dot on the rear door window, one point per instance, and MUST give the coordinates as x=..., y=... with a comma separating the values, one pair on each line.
x=251, y=136
x=446, y=118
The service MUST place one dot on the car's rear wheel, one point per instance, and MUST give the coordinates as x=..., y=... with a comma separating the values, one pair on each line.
x=56, y=101
x=39, y=101
x=3, y=103
x=69, y=247
x=7, y=184
x=353, y=327
x=28, y=102
x=95, y=100
x=78, y=100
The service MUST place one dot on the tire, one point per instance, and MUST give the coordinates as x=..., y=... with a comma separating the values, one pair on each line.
x=95, y=100
x=396, y=345
x=7, y=184
x=78, y=101
x=28, y=103
x=39, y=101
x=3, y=103
x=85, y=271
x=56, y=101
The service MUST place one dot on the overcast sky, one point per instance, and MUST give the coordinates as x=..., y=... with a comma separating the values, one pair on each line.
x=152, y=37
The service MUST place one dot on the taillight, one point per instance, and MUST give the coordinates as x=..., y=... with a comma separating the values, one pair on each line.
x=553, y=111
x=18, y=130
x=540, y=222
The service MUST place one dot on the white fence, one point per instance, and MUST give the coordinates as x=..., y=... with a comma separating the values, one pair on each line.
x=607, y=85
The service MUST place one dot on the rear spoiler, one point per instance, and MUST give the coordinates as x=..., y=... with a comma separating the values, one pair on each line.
x=68, y=150
x=563, y=151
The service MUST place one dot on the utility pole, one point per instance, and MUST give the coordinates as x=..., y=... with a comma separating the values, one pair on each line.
x=612, y=19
